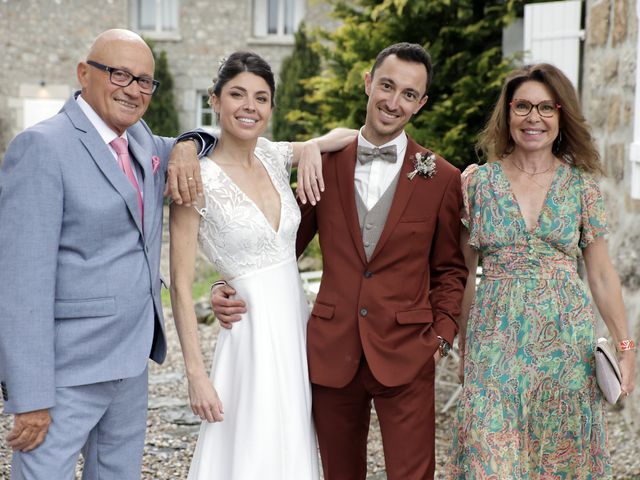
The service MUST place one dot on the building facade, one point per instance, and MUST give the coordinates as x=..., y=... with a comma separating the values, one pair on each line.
x=43, y=40
x=596, y=43
x=611, y=96
x=611, y=101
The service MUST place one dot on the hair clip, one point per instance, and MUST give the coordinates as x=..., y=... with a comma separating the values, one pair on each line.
x=221, y=63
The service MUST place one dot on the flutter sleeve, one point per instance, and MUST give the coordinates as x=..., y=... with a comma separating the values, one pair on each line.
x=279, y=154
x=594, y=221
x=470, y=214
x=285, y=153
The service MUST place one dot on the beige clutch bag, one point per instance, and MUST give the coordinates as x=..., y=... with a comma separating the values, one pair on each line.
x=608, y=371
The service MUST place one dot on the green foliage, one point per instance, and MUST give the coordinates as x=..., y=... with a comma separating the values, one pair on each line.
x=313, y=250
x=199, y=290
x=162, y=116
x=464, y=38
x=292, y=116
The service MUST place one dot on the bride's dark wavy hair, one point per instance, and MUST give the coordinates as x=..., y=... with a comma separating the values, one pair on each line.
x=239, y=62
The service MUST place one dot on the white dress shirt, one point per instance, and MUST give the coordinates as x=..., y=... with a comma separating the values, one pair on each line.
x=105, y=132
x=372, y=179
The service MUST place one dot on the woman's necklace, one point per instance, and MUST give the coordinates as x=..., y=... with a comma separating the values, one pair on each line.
x=531, y=174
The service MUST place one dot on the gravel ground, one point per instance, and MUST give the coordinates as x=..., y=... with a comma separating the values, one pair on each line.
x=172, y=428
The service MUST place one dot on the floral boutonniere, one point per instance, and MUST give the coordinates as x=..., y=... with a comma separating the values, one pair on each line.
x=155, y=163
x=425, y=164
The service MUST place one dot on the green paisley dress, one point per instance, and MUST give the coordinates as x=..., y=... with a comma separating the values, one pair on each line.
x=530, y=406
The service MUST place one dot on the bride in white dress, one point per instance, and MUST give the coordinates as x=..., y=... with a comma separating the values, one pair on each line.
x=256, y=404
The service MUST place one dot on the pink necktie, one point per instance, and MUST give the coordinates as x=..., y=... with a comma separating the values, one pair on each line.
x=120, y=145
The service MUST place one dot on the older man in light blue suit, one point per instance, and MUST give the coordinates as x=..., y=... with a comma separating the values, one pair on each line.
x=80, y=310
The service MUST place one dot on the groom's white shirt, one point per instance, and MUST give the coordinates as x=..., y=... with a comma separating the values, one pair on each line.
x=372, y=179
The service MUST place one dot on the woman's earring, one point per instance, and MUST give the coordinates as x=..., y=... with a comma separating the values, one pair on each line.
x=557, y=143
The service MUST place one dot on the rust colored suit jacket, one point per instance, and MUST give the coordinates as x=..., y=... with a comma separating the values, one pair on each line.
x=393, y=307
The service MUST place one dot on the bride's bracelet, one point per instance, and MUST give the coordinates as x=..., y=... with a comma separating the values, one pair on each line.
x=626, y=345
x=219, y=283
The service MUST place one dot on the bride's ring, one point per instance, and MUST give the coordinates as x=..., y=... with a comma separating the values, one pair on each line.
x=189, y=179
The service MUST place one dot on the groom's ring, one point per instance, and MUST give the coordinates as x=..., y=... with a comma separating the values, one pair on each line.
x=189, y=179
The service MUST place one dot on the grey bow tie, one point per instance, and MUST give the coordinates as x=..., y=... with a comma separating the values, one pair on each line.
x=388, y=154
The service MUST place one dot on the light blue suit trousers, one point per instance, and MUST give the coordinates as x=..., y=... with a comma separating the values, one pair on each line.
x=80, y=308
x=106, y=420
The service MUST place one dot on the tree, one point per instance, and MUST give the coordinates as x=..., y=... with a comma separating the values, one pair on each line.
x=162, y=116
x=464, y=38
x=293, y=114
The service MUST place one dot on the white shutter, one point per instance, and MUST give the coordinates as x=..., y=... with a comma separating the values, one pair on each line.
x=552, y=34
x=298, y=13
x=260, y=18
x=169, y=15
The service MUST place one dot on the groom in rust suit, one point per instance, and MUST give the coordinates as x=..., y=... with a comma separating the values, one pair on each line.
x=392, y=284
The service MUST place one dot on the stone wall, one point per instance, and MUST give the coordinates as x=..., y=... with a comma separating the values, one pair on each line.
x=42, y=41
x=608, y=93
x=208, y=35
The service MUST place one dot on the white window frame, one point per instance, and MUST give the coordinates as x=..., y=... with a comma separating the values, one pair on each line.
x=36, y=102
x=38, y=109
x=261, y=19
x=202, y=110
x=157, y=33
x=634, y=159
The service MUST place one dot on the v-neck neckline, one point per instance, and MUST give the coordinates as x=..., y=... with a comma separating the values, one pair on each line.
x=274, y=230
x=545, y=203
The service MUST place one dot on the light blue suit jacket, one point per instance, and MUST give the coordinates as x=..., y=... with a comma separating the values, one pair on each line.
x=79, y=273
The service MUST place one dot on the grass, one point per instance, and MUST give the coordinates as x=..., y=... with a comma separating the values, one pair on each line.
x=199, y=291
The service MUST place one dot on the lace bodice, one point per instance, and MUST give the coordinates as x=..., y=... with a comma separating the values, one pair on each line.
x=234, y=234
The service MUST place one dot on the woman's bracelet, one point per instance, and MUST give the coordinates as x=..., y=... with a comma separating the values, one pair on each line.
x=626, y=344
x=217, y=284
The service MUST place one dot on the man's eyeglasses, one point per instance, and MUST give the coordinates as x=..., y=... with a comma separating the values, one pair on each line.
x=122, y=78
x=545, y=109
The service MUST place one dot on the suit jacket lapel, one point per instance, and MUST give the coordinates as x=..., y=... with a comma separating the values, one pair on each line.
x=403, y=193
x=103, y=158
x=149, y=199
x=345, y=163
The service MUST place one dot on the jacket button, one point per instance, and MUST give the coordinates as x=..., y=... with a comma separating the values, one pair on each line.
x=368, y=274
x=369, y=226
x=363, y=312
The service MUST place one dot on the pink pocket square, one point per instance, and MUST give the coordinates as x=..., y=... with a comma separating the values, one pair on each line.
x=155, y=163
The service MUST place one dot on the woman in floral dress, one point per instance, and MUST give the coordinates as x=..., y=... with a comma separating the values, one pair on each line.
x=530, y=406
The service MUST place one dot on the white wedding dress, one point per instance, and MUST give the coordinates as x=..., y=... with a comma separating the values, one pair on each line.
x=260, y=365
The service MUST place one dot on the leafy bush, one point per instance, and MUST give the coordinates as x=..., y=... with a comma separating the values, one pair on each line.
x=162, y=116
x=464, y=38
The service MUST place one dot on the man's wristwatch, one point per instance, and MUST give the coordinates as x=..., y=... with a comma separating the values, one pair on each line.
x=197, y=140
x=444, y=347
